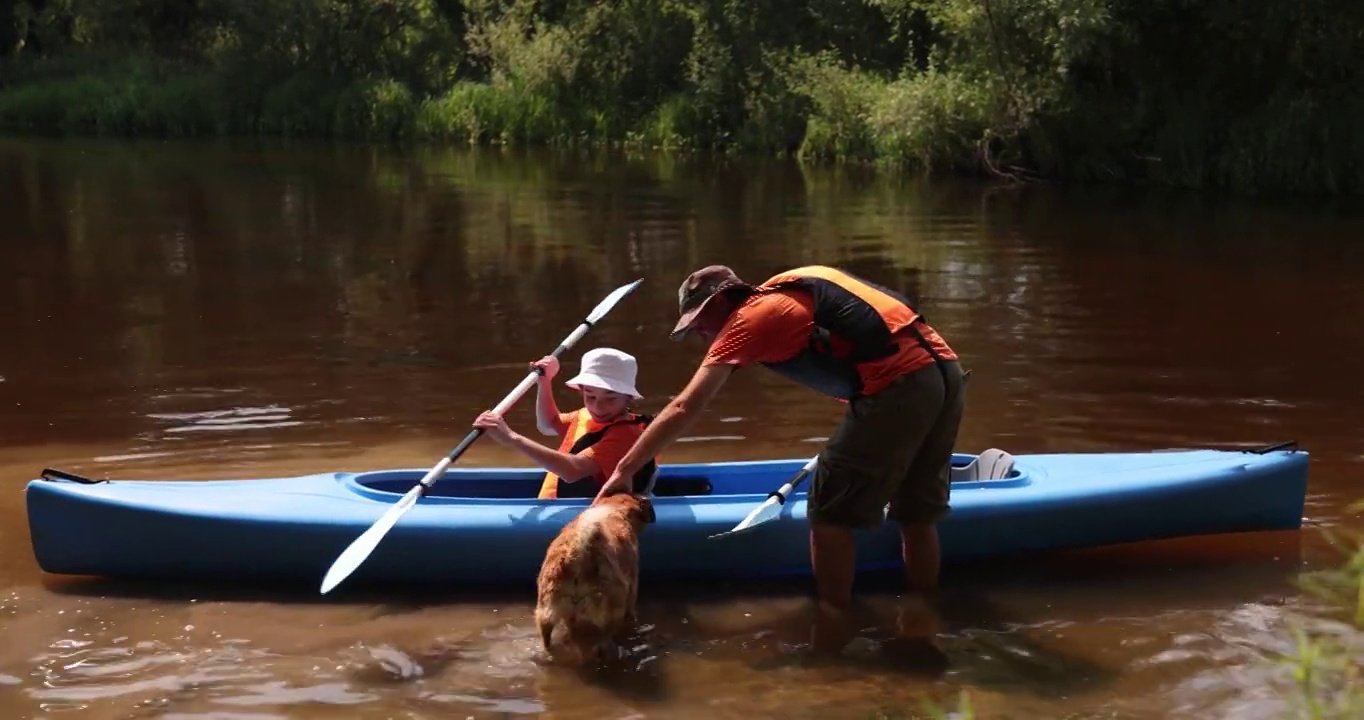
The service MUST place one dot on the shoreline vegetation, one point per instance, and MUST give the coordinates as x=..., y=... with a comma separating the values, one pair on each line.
x=1320, y=676
x=1217, y=95
x=1327, y=663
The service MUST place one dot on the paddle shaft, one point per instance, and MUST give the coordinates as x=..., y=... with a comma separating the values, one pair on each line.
x=516, y=394
x=356, y=553
x=785, y=491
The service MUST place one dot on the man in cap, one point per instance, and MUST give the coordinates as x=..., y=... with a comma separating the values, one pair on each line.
x=859, y=343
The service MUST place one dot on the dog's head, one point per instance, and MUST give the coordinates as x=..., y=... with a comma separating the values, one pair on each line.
x=578, y=643
x=638, y=508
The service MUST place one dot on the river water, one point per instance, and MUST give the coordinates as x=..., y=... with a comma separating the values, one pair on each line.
x=204, y=310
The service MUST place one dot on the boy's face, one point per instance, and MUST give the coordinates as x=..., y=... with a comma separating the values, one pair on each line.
x=603, y=404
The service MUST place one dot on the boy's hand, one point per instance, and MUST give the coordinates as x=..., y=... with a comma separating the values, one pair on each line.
x=549, y=364
x=494, y=427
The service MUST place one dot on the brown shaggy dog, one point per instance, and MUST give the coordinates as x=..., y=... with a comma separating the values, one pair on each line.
x=590, y=580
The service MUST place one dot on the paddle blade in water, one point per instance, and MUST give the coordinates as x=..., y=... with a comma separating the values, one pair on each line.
x=361, y=548
x=610, y=301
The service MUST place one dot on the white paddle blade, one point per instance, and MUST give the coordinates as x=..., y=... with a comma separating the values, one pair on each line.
x=360, y=549
x=771, y=507
x=766, y=512
x=605, y=305
x=599, y=312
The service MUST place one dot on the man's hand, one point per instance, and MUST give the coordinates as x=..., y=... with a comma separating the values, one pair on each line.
x=670, y=423
x=617, y=483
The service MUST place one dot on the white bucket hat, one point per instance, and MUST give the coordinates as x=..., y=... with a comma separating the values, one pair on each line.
x=607, y=368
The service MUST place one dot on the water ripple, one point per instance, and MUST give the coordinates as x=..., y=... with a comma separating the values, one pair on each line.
x=231, y=419
x=222, y=716
x=279, y=692
x=127, y=457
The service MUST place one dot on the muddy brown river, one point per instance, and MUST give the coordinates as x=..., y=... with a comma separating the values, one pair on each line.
x=206, y=310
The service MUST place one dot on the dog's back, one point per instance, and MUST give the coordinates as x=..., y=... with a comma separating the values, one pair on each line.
x=589, y=580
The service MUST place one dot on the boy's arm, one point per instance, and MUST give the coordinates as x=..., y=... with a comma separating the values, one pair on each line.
x=547, y=418
x=568, y=467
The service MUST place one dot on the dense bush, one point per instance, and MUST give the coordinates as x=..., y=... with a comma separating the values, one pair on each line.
x=1205, y=94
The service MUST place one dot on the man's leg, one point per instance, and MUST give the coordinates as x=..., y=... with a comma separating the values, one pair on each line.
x=833, y=556
x=922, y=554
x=859, y=471
x=922, y=498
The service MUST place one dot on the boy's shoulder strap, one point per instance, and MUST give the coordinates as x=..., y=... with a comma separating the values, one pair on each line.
x=587, y=440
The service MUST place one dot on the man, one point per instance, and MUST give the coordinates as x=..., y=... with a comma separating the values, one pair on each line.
x=857, y=342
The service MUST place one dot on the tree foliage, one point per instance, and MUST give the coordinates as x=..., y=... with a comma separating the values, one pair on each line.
x=1206, y=93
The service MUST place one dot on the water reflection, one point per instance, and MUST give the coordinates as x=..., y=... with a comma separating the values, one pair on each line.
x=409, y=269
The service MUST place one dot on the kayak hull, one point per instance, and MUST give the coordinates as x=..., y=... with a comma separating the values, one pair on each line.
x=482, y=526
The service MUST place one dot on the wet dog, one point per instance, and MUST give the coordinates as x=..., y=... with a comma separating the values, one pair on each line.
x=589, y=581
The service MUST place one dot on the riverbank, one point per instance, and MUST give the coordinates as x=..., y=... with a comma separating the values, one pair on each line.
x=1067, y=90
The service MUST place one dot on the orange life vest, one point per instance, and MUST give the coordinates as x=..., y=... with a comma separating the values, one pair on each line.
x=855, y=322
x=576, y=439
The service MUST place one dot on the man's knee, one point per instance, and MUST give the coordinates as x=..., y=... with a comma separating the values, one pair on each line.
x=924, y=495
x=917, y=513
x=849, y=501
x=918, y=531
x=845, y=516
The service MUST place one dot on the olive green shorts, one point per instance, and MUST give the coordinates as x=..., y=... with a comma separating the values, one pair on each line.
x=894, y=447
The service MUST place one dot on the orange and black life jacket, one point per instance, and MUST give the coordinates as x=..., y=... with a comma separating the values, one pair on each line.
x=578, y=439
x=856, y=322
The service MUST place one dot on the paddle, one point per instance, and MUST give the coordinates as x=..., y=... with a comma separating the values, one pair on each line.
x=771, y=507
x=361, y=548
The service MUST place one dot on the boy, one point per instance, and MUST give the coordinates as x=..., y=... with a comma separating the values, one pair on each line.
x=594, y=438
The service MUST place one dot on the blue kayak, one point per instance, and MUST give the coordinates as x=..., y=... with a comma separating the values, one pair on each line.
x=484, y=526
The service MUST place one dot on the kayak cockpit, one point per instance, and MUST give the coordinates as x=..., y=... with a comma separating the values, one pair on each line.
x=674, y=480
x=506, y=484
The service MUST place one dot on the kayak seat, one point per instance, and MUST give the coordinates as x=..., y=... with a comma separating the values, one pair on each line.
x=992, y=464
